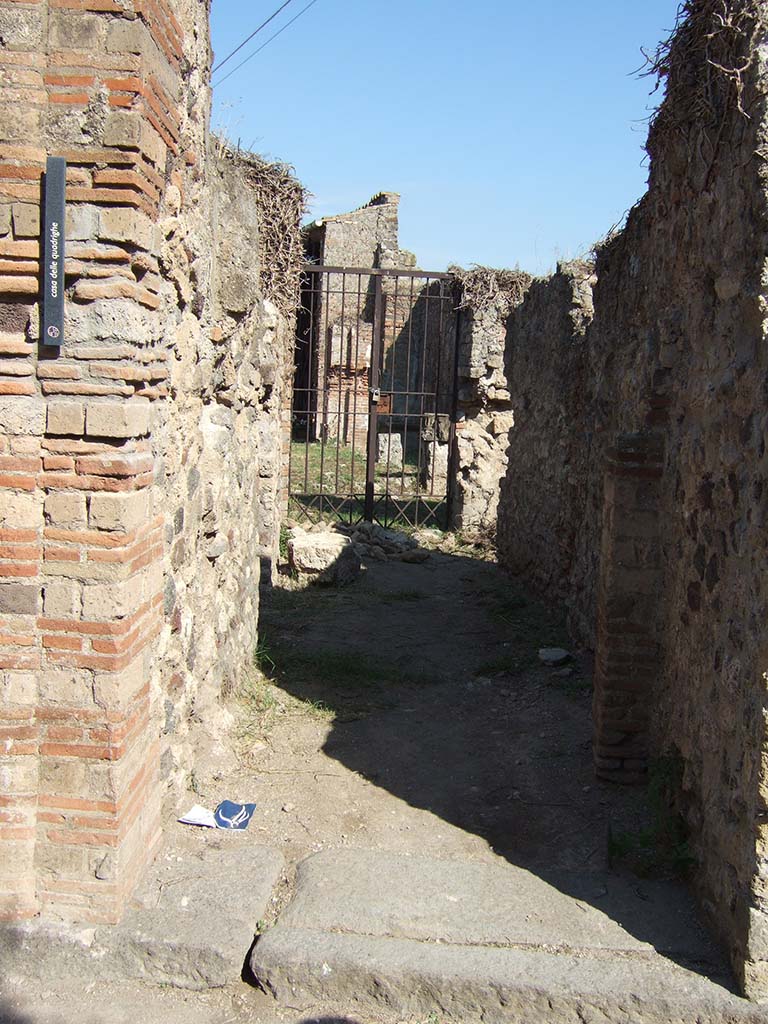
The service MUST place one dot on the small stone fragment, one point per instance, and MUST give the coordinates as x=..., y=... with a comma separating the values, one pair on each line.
x=553, y=656
x=415, y=556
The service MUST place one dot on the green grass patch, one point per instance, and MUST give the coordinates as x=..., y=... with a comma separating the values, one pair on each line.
x=660, y=849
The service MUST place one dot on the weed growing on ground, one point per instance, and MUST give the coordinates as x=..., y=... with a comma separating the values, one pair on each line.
x=259, y=704
x=263, y=659
x=530, y=624
x=661, y=849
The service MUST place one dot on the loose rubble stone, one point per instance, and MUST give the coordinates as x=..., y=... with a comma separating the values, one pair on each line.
x=553, y=656
x=415, y=556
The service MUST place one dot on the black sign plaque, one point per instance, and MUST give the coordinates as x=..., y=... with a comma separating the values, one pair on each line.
x=53, y=233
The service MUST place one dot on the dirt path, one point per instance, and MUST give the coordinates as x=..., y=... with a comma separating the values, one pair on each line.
x=409, y=712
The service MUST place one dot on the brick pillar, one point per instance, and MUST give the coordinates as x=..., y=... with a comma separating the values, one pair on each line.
x=99, y=83
x=98, y=801
x=22, y=422
x=628, y=653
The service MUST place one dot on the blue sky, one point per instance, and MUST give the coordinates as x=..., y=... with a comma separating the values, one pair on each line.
x=513, y=131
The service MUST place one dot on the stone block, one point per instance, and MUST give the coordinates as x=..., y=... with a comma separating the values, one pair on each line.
x=113, y=600
x=117, y=689
x=63, y=777
x=389, y=451
x=323, y=557
x=5, y=219
x=26, y=220
x=20, y=775
x=66, y=419
x=54, y=860
x=22, y=416
x=122, y=224
x=21, y=28
x=118, y=419
x=82, y=222
x=18, y=688
x=21, y=511
x=62, y=599
x=63, y=508
x=19, y=598
x=127, y=37
x=502, y=423
x=123, y=128
x=124, y=511
x=74, y=689
x=152, y=144
x=70, y=30
x=19, y=123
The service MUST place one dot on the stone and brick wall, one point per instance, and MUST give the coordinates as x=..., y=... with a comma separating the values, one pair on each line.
x=138, y=464
x=637, y=469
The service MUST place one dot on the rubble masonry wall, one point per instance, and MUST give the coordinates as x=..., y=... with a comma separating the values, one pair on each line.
x=636, y=484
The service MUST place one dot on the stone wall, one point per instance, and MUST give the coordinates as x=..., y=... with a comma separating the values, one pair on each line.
x=219, y=445
x=138, y=463
x=637, y=467
x=521, y=393
x=678, y=348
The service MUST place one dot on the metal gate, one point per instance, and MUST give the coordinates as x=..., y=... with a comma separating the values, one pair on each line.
x=374, y=397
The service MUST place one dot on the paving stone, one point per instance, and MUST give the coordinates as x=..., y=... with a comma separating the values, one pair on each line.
x=475, y=941
x=190, y=925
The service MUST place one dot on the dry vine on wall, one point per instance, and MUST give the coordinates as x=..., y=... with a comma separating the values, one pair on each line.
x=282, y=201
x=703, y=64
x=483, y=289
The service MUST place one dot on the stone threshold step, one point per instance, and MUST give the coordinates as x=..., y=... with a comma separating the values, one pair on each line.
x=191, y=924
x=374, y=931
x=409, y=979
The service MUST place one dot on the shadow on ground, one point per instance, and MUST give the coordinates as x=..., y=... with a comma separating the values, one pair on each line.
x=431, y=676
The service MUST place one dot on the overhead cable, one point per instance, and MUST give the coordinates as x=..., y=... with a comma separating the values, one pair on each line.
x=237, y=49
x=268, y=41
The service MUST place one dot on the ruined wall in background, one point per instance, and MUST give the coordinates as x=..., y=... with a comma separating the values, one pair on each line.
x=484, y=405
x=521, y=452
x=134, y=494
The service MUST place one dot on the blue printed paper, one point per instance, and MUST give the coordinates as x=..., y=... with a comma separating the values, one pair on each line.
x=231, y=815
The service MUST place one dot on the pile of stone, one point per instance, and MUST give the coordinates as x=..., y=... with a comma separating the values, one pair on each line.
x=332, y=554
x=372, y=541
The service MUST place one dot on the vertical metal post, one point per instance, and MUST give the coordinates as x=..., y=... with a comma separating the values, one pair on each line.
x=450, y=486
x=374, y=384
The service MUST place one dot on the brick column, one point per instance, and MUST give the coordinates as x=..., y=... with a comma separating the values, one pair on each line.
x=22, y=421
x=628, y=654
x=98, y=802
x=99, y=83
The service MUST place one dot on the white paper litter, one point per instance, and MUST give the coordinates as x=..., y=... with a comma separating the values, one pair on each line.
x=198, y=815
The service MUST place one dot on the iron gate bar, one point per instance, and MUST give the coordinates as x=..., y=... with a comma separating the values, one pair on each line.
x=321, y=268
x=374, y=381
